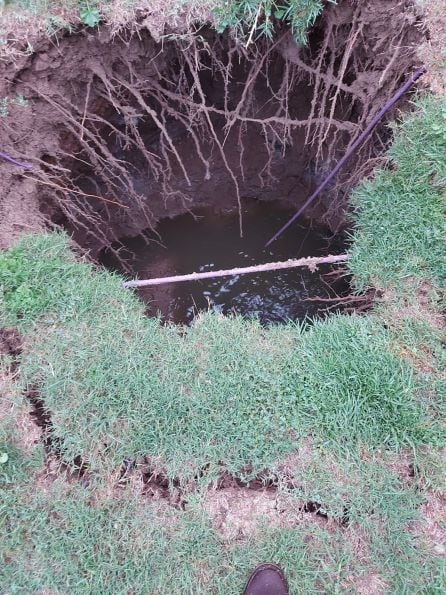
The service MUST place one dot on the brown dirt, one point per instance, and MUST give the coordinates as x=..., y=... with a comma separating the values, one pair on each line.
x=237, y=513
x=430, y=530
x=370, y=584
x=10, y=341
x=433, y=51
x=92, y=93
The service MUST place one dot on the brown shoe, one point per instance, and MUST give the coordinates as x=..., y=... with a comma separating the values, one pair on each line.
x=267, y=579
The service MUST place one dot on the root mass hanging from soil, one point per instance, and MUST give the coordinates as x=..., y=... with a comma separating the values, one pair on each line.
x=139, y=130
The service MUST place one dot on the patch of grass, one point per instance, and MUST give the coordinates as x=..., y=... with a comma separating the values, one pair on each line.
x=400, y=220
x=15, y=463
x=61, y=537
x=373, y=504
x=119, y=385
x=12, y=461
x=138, y=547
x=251, y=19
x=429, y=466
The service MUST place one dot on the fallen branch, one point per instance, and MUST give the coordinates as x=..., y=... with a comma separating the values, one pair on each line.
x=311, y=262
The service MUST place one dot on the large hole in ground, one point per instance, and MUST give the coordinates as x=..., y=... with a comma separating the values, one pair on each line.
x=146, y=135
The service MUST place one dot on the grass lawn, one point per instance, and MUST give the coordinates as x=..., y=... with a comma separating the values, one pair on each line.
x=342, y=419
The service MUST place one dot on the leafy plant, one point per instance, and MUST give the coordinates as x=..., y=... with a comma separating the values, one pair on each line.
x=252, y=19
x=90, y=15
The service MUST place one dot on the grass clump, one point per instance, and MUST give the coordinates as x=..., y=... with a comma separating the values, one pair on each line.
x=59, y=536
x=400, y=217
x=18, y=452
x=245, y=19
x=251, y=19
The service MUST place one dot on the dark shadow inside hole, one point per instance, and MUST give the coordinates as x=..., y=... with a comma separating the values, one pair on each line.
x=314, y=508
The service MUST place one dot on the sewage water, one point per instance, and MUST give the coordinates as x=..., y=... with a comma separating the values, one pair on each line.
x=209, y=240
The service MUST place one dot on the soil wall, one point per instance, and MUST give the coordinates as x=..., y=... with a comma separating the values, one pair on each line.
x=122, y=131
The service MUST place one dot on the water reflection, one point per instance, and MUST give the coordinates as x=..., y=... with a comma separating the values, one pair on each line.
x=210, y=241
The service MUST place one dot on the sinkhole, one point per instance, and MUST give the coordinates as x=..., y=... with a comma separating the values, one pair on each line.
x=187, y=153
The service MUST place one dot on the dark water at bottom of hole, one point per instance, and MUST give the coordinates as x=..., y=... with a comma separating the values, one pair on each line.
x=210, y=240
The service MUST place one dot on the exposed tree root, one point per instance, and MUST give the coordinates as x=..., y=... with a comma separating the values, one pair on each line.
x=349, y=303
x=218, y=94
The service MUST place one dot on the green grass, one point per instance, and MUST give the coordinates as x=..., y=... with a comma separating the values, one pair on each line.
x=15, y=464
x=400, y=222
x=59, y=537
x=251, y=19
x=246, y=19
x=226, y=390
x=348, y=402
